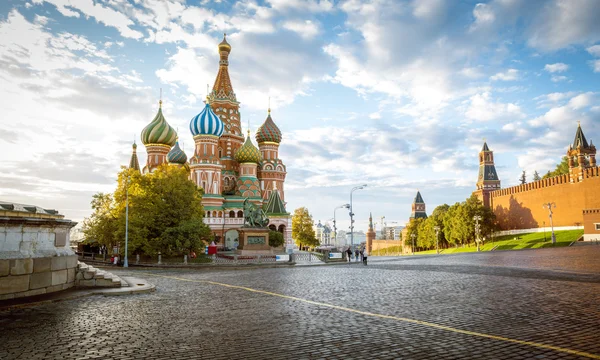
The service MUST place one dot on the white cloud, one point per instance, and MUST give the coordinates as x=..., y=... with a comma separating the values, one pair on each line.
x=508, y=75
x=595, y=65
x=306, y=29
x=481, y=107
x=102, y=14
x=558, y=67
x=472, y=72
x=314, y=6
x=560, y=23
x=484, y=16
x=558, y=78
x=582, y=100
x=594, y=50
x=375, y=116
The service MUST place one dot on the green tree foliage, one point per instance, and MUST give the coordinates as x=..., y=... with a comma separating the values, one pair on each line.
x=413, y=228
x=165, y=213
x=302, y=228
x=275, y=238
x=458, y=224
x=426, y=231
x=563, y=167
x=523, y=178
x=536, y=176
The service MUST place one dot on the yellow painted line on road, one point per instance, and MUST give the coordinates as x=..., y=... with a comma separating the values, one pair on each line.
x=389, y=317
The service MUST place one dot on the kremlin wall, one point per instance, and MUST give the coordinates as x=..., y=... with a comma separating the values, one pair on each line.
x=522, y=206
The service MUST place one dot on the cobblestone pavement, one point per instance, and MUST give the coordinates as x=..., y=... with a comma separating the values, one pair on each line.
x=534, y=304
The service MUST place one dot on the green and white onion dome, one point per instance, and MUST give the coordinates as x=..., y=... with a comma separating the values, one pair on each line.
x=206, y=123
x=268, y=131
x=248, y=153
x=176, y=155
x=159, y=131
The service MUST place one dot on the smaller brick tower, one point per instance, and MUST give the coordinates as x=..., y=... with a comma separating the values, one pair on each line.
x=418, y=207
x=488, y=178
x=370, y=235
x=579, y=150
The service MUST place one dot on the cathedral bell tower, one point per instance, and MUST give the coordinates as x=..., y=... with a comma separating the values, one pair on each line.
x=488, y=178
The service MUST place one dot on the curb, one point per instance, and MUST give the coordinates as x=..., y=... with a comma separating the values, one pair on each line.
x=73, y=294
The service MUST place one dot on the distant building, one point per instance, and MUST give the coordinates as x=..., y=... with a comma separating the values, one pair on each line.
x=392, y=232
x=323, y=233
x=359, y=237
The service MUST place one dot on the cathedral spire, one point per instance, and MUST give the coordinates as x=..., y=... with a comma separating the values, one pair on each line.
x=133, y=162
x=487, y=180
x=222, y=89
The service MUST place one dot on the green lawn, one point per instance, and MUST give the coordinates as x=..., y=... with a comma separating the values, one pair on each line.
x=509, y=242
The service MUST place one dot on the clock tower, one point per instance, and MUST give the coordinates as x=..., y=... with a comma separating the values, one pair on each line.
x=488, y=178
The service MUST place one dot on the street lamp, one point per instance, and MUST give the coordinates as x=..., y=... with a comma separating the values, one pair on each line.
x=125, y=261
x=477, y=219
x=352, y=214
x=413, y=236
x=437, y=239
x=382, y=228
x=549, y=206
x=346, y=206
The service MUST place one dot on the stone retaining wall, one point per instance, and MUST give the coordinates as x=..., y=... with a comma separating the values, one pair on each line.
x=36, y=276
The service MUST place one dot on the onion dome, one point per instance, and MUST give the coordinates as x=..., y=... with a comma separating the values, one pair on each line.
x=206, y=123
x=176, y=155
x=224, y=45
x=248, y=153
x=268, y=131
x=159, y=131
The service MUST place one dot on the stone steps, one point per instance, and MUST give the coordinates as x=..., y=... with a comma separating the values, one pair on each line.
x=89, y=276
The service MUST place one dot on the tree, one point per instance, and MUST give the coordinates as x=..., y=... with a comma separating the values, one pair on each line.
x=165, y=213
x=302, y=228
x=413, y=228
x=523, y=178
x=101, y=226
x=563, y=167
x=536, y=176
x=275, y=238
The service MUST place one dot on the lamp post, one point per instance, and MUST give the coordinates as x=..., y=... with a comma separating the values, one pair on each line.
x=346, y=206
x=382, y=228
x=413, y=236
x=477, y=219
x=437, y=239
x=352, y=214
x=549, y=206
x=125, y=261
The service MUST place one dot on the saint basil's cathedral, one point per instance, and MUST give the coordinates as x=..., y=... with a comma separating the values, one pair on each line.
x=227, y=166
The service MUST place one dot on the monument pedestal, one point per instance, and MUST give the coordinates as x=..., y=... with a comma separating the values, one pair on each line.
x=254, y=241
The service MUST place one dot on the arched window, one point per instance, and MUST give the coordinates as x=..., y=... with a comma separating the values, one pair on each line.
x=220, y=214
x=240, y=214
x=232, y=214
x=281, y=229
x=272, y=227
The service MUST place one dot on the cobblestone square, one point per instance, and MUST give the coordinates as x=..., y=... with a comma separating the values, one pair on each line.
x=534, y=304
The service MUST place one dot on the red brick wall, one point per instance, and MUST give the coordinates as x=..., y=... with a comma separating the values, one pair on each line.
x=521, y=207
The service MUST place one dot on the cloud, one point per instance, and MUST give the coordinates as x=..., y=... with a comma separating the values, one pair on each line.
x=508, y=75
x=595, y=64
x=594, y=50
x=483, y=108
x=306, y=29
x=102, y=14
x=558, y=67
x=560, y=23
x=313, y=6
x=557, y=78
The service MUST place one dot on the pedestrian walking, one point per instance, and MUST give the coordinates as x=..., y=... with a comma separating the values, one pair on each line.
x=356, y=253
x=365, y=253
x=349, y=254
x=361, y=254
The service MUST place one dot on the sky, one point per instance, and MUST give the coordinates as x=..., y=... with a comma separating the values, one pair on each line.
x=398, y=95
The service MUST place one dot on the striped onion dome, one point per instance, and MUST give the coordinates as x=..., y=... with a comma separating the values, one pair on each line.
x=159, y=131
x=206, y=123
x=248, y=153
x=268, y=131
x=176, y=155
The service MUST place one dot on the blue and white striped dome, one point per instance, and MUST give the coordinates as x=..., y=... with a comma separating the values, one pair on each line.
x=206, y=123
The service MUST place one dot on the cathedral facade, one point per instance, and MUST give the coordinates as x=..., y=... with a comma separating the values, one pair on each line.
x=225, y=163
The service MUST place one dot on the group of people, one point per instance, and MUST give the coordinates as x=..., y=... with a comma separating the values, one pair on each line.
x=362, y=253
